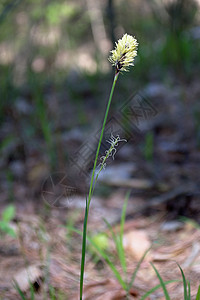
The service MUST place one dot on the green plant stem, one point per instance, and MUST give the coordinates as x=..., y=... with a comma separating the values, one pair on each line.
x=101, y=137
x=91, y=186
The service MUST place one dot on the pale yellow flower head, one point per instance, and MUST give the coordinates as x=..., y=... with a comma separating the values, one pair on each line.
x=124, y=53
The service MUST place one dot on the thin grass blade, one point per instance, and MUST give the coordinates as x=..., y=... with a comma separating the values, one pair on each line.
x=83, y=250
x=32, y=291
x=162, y=283
x=151, y=291
x=189, y=291
x=198, y=294
x=137, y=268
x=184, y=283
x=116, y=241
x=114, y=236
x=122, y=222
x=110, y=264
x=19, y=291
x=105, y=257
x=52, y=293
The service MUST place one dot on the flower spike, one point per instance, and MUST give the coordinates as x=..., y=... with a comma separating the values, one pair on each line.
x=124, y=53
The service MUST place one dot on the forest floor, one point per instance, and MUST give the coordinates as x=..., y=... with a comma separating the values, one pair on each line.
x=163, y=209
x=48, y=254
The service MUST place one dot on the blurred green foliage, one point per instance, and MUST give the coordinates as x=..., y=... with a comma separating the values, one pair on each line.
x=176, y=20
x=7, y=216
x=56, y=12
x=197, y=124
x=149, y=146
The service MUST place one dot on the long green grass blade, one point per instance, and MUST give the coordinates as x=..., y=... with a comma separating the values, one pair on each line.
x=116, y=240
x=151, y=291
x=105, y=257
x=114, y=236
x=137, y=268
x=184, y=284
x=52, y=293
x=110, y=264
x=198, y=294
x=91, y=185
x=32, y=291
x=122, y=222
x=19, y=291
x=162, y=283
x=189, y=291
x=83, y=250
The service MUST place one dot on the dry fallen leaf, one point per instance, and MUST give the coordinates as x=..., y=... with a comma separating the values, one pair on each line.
x=136, y=242
x=32, y=274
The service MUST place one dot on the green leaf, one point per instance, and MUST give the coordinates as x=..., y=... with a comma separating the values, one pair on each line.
x=8, y=213
x=7, y=229
x=10, y=231
x=162, y=283
x=3, y=225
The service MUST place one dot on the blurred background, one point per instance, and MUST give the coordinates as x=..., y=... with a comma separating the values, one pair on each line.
x=55, y=79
